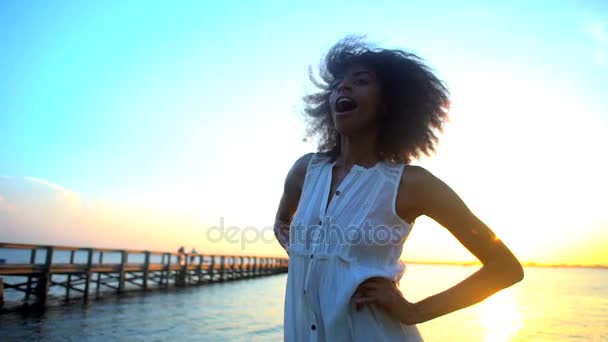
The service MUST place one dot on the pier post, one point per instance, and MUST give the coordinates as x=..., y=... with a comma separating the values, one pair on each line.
x=88, y=273
x=167, y=268
x=199, y=270
x=69, y=282
x=42, y=289
x=122, y=274
x=222, y=267
x=262, y=265
x=212, y=268
x=29, y=276
x=99, y=274
x=241, y=267
x=1, y=292
x=163, y=270
x=265, y=265
x=232, y=269
x=146, y=268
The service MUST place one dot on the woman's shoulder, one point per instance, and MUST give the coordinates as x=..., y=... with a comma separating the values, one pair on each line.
x=301, y=165
x=297, y=173
x=416, y=174
x=411, y=183
x=304, y=163
x=316, y=158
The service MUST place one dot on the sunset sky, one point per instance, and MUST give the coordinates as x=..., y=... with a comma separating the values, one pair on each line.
x=140, y=124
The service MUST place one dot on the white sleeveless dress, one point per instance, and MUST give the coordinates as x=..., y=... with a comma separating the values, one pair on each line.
x=331, y=252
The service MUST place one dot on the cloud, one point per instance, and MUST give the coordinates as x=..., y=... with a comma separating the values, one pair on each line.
x=597, y=32
x=33, y=209
x=38, y=211
x=4, y=205
x=67, y=197
x=47, y=183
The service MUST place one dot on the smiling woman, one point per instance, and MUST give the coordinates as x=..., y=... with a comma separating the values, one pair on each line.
x=393, y=88
x=377, y=110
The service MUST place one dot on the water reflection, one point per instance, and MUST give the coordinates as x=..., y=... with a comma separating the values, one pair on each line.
x=500, y=316
x=551, y=304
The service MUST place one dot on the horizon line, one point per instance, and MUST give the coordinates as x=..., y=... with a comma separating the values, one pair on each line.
x=524, y=264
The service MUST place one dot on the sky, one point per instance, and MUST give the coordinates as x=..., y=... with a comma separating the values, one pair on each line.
x=143, y=124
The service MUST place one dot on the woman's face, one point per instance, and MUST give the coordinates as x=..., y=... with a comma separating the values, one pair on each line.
x=355, y=100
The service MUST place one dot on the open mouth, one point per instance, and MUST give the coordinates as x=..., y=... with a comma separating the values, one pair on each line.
x=345, y=104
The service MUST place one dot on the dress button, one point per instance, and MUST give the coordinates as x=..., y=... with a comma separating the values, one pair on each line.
x=313, y=327
x=320, y=223
x=338, y=193
x=311, y=256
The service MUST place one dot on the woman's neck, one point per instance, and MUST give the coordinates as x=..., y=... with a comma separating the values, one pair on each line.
x=360, y=150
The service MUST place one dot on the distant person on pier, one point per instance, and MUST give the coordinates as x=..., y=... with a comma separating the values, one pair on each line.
x=347, y=209
x=180, y=257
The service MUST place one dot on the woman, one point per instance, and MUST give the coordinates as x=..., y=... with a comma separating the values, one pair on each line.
x=347, y=209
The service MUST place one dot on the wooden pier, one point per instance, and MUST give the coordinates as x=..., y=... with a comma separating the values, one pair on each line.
x=86, y=272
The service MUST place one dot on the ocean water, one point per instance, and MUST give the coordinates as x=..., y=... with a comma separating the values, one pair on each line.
x=550, y=304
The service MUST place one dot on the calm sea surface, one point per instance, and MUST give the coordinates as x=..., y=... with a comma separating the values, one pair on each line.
x=550, y=304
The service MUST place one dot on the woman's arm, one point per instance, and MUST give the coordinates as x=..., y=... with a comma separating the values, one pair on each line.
x=501, y=269
x=288, y=204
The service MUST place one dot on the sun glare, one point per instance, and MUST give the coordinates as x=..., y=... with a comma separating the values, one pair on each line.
x=500, y=316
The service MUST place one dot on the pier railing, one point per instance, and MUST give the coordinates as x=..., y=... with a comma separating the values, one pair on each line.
x=91, y=270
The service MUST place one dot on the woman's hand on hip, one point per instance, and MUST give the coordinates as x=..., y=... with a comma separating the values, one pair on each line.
x=385, y=293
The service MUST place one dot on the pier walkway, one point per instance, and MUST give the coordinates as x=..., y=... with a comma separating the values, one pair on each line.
x=88, y=271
